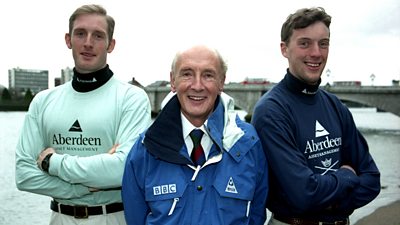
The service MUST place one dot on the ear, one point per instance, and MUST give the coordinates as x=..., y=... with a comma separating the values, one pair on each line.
x=221, y=87
x=111, y=46
x=172, y=81
x=284, y=49
x=68, y=40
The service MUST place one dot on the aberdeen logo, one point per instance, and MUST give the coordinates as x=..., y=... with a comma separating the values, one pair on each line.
x=77, y=140
x=327, y=166
x=76, y=127
x=230, y=187
x=327, y=162
x=320, y=130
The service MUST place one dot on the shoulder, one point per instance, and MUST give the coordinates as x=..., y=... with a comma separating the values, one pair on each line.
x=126, y=86
x=138, y=150
x=129, y=91
x=51, y=93
x=333, y=99
x=248, y=128
x=274, y=104
x=277, y=95
x=54, y=90
x=250, y=137
x=329, y=95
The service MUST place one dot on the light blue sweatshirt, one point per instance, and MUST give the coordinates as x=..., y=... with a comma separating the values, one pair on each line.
x=82, y=128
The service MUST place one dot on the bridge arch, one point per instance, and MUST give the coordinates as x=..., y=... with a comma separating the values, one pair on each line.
x=386, y=98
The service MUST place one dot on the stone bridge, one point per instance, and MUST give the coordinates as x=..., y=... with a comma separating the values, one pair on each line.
x=385, y=98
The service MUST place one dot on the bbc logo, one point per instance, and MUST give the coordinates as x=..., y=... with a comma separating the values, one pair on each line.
x=164, y=189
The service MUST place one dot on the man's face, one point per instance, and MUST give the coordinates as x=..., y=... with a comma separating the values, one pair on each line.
x=198, y=80
x=307, y=52
x=89, y=43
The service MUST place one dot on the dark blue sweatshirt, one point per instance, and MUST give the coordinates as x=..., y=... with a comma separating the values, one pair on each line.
x=307, y=135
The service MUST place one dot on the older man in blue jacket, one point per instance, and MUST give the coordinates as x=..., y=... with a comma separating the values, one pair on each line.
x=163, y=184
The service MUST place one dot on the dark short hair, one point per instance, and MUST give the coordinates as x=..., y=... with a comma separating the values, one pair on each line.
x=303, y=18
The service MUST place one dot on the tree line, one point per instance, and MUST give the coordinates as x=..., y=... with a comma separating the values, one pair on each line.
x=11, y=101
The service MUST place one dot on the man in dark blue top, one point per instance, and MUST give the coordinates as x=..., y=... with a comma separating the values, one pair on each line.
x=320, y=166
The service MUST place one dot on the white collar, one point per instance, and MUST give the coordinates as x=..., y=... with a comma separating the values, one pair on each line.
x=187, y=127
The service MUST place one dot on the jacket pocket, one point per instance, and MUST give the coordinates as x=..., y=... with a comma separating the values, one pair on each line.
x=235, y=195
x=164, y=199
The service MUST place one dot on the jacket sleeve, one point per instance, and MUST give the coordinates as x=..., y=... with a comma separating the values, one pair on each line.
x=135, y=207
x=357, y=155
x=28, y=176
x=104, y=171
x=300, y=187
x=258, y=209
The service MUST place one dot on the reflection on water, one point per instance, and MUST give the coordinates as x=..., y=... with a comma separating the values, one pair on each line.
x=384, y=148
x=370, y=119
x=381, y=130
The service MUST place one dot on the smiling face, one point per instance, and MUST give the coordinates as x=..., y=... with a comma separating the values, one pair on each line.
x=307, y=52
x=89, y=43
x=198, y=79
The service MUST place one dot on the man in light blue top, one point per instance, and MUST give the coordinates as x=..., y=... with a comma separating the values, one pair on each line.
x=163, y=184
x=75, y=137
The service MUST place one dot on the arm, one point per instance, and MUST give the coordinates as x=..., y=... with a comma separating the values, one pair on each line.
x=28, y=176
x=105, y=170
x=356, y=155
x=258, y=209
x=135, y=207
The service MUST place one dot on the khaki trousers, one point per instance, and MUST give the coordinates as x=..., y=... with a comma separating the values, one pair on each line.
x=116, y=218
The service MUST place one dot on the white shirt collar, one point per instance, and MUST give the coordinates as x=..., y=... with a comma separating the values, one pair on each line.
x=187, y=127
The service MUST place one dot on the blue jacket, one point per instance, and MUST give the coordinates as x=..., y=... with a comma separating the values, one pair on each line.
x=161, y=185
x=308, y=134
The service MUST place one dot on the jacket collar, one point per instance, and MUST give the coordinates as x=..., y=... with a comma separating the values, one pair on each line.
x=164, y=138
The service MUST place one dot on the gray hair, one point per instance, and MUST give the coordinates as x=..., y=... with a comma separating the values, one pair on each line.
x=223, y=64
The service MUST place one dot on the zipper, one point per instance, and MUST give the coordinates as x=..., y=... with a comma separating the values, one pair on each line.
x=171, y=210
x=248, y=208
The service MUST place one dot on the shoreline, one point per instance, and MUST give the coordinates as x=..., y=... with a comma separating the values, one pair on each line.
x=388, y=214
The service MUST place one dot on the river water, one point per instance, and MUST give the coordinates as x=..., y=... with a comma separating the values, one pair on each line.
x=381, y=129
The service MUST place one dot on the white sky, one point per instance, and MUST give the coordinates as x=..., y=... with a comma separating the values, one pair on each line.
x=365, y=36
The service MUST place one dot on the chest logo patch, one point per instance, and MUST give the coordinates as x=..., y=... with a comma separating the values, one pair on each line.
x=230, y=187
x=327, y=166
x=164, y=189
x=320, y=130
x=76, y=127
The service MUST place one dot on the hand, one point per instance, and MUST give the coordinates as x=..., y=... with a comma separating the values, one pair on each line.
x=349, y=168
x=113, y=149
x=42, y=155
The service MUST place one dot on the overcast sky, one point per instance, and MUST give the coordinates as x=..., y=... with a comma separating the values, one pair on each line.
x=365, y=36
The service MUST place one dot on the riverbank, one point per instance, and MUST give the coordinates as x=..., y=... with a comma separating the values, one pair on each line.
x=13, y=106
x=387, y=215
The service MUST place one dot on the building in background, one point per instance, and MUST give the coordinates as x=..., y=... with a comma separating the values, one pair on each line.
x=66, y=75
x=135, y=82
x=22, y=80
x=57, y=81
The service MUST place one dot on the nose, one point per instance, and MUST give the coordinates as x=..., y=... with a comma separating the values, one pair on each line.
x=88, y=41
x=315, y=50
x=197, y=82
